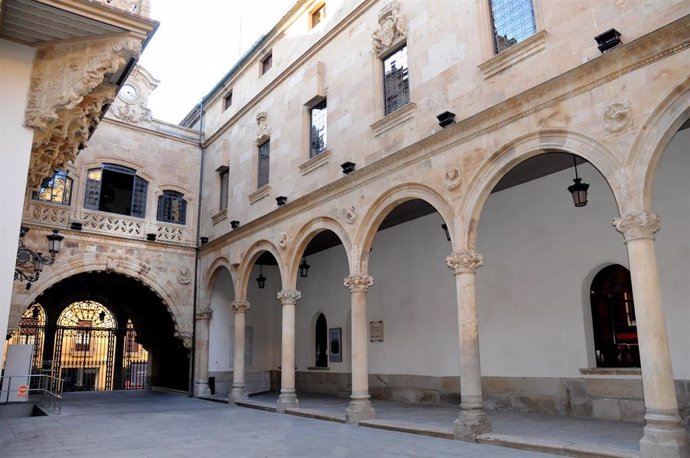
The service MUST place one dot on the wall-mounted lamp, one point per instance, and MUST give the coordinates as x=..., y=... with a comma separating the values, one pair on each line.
x=281, y=200
x=234, y=224
x=446, y=119
x=578, y=189
x=348, y=167
x=304, y=268
x=151, y=237
x=30, y=263
x=261, y=280
x=75, y=226
x=203, y=240
x=607, y=40
x=444, y=226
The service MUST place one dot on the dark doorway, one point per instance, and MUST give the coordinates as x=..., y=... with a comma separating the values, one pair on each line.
x=321, y=341
x=613, y=318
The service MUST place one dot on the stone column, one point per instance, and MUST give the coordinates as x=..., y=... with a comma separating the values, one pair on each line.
x=203, y=317
x=664, y=435
x=472, y=419
x=239, y=390
x=288, y=298
x=360, y=406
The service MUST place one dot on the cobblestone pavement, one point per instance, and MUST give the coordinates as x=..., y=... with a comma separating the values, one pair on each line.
x=155, y=424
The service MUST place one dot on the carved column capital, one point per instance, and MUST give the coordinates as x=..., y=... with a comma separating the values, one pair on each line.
x=204, y=314
x=240, y=306
x=289, y=296
x=465, y=262
x=636, y=226
x=359, y=282
x=186, y=338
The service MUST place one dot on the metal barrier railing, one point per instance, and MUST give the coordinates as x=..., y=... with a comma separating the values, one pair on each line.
x=41, y=388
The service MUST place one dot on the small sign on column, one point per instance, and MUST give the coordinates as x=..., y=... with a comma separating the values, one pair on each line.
x=376, y=331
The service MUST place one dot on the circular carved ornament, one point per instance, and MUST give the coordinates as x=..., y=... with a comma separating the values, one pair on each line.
x=616, y=117
x=453, y=178
x=183, y=276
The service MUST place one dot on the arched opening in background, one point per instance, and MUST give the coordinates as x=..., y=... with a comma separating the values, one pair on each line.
x=31, y=331
x=221, y=342
x=321, y=341
x=613, y=318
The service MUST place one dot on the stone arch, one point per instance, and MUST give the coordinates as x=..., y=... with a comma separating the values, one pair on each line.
x=138, y=271
x=652, y=140
x=305, y=236
x=247, y=264
x=217, y=264
x=383, y=206
x=526, y=147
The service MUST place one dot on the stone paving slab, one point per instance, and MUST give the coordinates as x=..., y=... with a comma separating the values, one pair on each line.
x=156, y=425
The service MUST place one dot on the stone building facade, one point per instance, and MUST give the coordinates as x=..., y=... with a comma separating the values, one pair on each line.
x=385, y=213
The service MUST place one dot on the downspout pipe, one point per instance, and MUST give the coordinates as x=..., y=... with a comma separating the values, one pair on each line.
x=196, y=251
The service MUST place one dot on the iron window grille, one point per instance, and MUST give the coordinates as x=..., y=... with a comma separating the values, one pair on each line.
x=56, y=189
x=317, y=131
x=264, y=159
x=172, y=208
x=396, y=83
x=224, y=183
x=116, y=189
x=513, y=21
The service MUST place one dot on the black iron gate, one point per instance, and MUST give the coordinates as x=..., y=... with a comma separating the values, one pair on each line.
x=84, y=357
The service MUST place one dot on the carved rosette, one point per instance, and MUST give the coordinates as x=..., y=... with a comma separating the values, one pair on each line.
x=351, y=214
x=392, y=28
x=464, y=262
x=616, y=117
x=240, y=306
x=289, y=296
x=283, y=240
x=359, y=283
x=263, y=130
x=637, y=226
x=204, y=314
x=183, y=276
x=453, y=178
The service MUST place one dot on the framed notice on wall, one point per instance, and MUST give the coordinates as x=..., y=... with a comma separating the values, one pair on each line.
x=376, y=331
x=335, y=345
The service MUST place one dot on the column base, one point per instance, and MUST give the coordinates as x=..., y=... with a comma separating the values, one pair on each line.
x=286, y=401
x=359, y=409
x=664, y=436
x=238, y=394
x=470, y=423
x=201, y=389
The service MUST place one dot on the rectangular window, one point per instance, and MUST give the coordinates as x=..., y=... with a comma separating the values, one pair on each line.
x=396, y=83
x=227, y=100
x=317, y=129
x=116, y=189
x=267, y=62
x=56, y=189
x=317, y=16
x=264, y=159
x=224, y=183
x=513, y=21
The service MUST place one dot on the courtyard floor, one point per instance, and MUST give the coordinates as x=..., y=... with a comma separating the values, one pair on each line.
x=158, y=424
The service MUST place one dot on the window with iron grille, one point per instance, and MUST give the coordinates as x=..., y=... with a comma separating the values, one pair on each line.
x=224, y=183
x=317, y=130
x=264, y=159
x=396, y=83
x=172, y=208
x=56, y=189
x=513, y=21
x=116, y=189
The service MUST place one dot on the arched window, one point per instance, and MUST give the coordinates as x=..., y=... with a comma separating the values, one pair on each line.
x=56, y=189
x=116, y=189
x=172, y=208
x=321, y=343
x=613, y=318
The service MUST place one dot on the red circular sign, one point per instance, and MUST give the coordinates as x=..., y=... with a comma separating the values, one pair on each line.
x=22, y=390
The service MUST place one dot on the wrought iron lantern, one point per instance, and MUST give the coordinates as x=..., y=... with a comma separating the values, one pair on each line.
x=30, y=263
x=234, y=224
x=578, y=189
x=446, y=118
x=281, y=200
x=304, y=268
x=261, y=280
x=348, y=167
